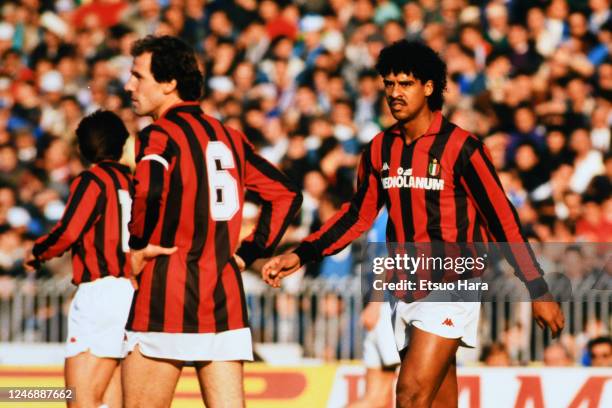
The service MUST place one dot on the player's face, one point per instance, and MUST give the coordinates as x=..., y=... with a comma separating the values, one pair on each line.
x=146, y=93
x=406, y=95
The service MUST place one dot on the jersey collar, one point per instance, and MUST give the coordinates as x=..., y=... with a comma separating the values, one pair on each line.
x=434, y=127
x=188, y=106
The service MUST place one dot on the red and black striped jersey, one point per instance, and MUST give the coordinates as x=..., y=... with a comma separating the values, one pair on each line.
x=94, y=224
x=190, y=180
x=439, y=187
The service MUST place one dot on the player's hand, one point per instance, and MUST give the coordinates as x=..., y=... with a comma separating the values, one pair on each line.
x=139, y=258
x=370, y=315
x=30, y=263
x=278, y=267
x=240, y=262
x=547, y=312
x=134, y=282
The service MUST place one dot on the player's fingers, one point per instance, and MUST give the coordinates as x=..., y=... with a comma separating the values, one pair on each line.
x=138, y=264
x=270, y=265
x=269, y=280
x=560, y=322
x=555, y=330
x=168, y=251
x=155, y=250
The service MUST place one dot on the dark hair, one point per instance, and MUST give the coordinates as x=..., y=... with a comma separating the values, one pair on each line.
x=101, y=136
x=412, y=57
x=172, y=58
x=597, y=341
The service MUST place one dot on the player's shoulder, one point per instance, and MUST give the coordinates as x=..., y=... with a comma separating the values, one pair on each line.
x=463, y=139
x=156, y=129
x=89, y=178
x=109, y=171
x=374, y=147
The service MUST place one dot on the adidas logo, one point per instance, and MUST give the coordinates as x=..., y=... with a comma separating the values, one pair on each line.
x=385, y=166
x=448, y=322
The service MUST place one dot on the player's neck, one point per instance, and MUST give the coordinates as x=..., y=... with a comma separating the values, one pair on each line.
x=167, y=104
x=418, y=125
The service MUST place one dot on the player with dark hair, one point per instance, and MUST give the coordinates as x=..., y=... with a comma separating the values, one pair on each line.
x=95, y=227
x=191, y=173
x=458, y=199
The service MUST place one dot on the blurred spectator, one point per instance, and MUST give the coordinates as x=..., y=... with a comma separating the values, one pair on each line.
x=588, y=162
x=495, y=355
x=600, y=352
x=557, y=355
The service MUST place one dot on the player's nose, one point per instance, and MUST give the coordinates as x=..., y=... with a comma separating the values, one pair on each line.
x=128, y=87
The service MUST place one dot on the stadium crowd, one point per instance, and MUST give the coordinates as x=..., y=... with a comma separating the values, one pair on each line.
x=533, y=79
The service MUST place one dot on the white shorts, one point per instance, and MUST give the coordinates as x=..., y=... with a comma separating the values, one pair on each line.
x=379, y=349
x=452, y=320
x=97, y=317
x=230, y=345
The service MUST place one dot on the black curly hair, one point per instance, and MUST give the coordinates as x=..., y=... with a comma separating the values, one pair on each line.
x=416, y=58
x=172, y=58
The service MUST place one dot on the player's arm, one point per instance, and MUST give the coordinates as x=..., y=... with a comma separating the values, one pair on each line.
x=480, y=180
x=154, y=158
x=82, y=210
x=354, y=218
x=281, y=200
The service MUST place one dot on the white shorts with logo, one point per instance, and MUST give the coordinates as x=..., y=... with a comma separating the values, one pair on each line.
x=452, y=320
x=379, y=349
x=230, y=345
x=97, y=317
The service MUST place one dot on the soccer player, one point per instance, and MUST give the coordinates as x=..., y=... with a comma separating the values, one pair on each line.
x=191, y=173
x=95, y=227
x=459, y=199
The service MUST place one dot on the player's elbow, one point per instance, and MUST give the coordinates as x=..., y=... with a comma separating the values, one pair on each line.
x=155, y=192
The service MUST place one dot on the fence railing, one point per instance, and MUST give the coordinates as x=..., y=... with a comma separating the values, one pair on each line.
x=323, y=317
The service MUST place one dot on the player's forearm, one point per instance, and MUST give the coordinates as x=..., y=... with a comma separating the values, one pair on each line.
x=78, y=217
x=353, y=219
x=342, y=229
x=52, y=245
x=487, y=195
x=272, y=225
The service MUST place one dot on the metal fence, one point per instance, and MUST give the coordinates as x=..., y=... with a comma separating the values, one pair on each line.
x=323, y=317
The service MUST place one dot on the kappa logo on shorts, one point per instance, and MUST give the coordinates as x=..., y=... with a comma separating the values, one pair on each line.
x=448, y=322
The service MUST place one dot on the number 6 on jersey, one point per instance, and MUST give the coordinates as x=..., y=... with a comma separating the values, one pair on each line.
x=222, y=187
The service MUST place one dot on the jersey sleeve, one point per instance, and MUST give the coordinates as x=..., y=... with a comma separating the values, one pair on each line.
x=81, y=212
x=485, y=191
x=154, y=159
x=352, y=219
x=281, y=201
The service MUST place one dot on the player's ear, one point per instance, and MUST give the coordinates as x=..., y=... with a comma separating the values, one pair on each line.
x=169, y=87
x=429, y=88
